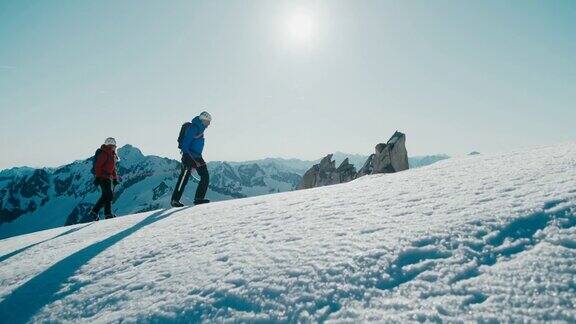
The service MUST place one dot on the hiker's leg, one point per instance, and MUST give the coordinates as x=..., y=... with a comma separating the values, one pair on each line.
x=183, y=178
x=108, y=194
x=204, y=180
x=101, y=201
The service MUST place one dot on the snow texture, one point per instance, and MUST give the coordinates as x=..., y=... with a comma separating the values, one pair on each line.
x=478, y=238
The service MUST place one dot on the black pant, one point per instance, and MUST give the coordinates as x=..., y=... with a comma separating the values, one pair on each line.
x=107, y=187
x=188, y=164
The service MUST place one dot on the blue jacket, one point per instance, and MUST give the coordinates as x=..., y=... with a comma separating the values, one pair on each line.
x=193, y=142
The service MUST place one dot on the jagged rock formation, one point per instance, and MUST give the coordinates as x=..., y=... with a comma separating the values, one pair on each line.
x=325, y=173
x=366, y=168
x=392, y=156
x=321, y=174
x=389, y=157
x=346, y=171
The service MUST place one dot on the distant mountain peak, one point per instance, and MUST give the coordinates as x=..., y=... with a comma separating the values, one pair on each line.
x=130, y=155
x=130, y=150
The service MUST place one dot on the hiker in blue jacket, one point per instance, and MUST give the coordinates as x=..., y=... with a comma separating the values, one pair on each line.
x=191, y=144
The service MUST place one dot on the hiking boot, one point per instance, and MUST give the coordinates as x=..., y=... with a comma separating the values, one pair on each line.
x=94, y=216
x=201, y=201
x=175, y=203
x=110, y=216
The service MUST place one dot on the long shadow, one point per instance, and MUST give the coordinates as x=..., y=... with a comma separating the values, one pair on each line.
x=28, y=299
x=11, y=254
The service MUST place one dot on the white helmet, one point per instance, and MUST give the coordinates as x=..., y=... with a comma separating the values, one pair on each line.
x=205, y=116
x=110, y=141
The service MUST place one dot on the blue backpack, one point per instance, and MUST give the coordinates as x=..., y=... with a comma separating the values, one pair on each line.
x=183, y=131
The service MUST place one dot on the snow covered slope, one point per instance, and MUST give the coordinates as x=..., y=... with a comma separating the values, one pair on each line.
x=38, y=199
x=472, y=238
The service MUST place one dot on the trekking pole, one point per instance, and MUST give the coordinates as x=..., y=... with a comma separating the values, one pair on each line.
x=193, y=177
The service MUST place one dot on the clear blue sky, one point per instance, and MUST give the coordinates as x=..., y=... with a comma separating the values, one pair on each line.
x=456, y=76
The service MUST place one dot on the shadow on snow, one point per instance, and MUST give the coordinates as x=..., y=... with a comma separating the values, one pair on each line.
x=11, y=254
x=25, y=301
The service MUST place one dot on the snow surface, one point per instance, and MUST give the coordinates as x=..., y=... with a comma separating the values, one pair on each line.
x=478, y=238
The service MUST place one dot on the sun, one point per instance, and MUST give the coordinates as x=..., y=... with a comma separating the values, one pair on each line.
x=301, y=27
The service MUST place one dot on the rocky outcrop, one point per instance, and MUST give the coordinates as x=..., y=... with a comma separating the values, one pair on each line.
x=392, y=156
x=346, y=171
x=389, y=157
x=321, y=174
x=326, y=173
x=366, y=168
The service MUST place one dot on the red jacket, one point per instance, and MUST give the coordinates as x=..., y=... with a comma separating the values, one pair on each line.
x=106, y=163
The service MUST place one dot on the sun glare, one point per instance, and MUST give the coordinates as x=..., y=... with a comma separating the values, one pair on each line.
x=301, y=27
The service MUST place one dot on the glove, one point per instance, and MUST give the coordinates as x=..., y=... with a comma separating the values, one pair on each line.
x=96, y=181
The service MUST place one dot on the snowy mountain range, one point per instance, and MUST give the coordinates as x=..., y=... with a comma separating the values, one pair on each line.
x=486, y=238
x=36, y=199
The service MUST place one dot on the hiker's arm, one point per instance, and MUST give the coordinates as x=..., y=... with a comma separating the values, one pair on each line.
x=197, y=134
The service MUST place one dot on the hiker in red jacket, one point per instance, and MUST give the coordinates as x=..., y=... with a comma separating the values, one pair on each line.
x=104, y=170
